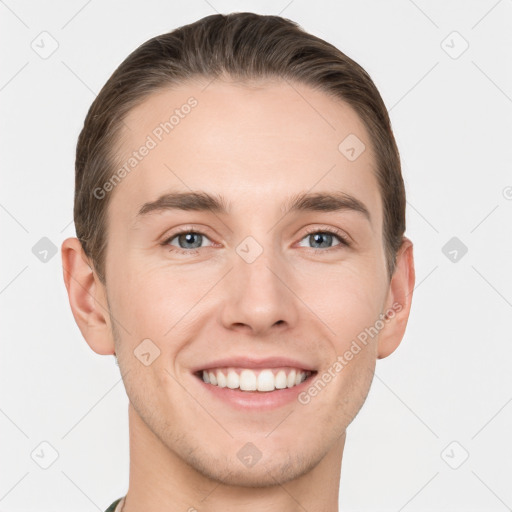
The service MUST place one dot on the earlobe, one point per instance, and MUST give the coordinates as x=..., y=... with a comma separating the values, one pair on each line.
x=87, y=297
x=399, y=299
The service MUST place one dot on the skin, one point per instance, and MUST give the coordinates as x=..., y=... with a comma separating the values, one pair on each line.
x=256, y=145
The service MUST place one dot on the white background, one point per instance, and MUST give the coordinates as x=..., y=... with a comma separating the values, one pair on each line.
x=450, y=380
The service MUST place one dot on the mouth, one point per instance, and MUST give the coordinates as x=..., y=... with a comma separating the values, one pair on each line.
x=255, y=381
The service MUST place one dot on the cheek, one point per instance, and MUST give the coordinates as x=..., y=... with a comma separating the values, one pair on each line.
x=347, y=300
x=353, y=302
x=354, y=382
x=143, y=291
x=159, y=303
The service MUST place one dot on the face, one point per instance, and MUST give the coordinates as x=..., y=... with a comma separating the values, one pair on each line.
x=257, y=280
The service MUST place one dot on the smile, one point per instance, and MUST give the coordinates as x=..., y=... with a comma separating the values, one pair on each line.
x=261, y=380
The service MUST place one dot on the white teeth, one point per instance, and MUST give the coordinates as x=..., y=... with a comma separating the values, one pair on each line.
x=266, y=380
x=248, y=380
x=280, y=379
x=221, y=380
x=233, y=380
x=291, y=379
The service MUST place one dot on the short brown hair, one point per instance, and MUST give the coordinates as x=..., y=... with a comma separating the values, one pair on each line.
x=245, y=46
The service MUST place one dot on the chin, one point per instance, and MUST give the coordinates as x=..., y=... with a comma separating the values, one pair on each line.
x=266, y=472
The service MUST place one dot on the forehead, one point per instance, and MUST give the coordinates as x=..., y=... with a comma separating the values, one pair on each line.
x=256, y=144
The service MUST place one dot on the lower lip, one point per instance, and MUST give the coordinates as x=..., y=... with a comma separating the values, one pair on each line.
x=257, y=400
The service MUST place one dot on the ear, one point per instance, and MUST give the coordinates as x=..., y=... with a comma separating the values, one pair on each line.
x=398, y=301
x=87, y=297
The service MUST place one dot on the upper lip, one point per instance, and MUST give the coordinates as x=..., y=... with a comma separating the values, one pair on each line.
x=250, y=362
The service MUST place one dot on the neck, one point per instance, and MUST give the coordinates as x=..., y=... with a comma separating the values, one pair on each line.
x=161, y=481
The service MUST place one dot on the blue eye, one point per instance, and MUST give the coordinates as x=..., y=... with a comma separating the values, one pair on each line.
x=325, y=239
x=186, y=239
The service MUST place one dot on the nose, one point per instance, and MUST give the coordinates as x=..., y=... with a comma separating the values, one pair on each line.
x=259, y=295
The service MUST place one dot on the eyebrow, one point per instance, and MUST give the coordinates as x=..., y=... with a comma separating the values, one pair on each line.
x=302, y=202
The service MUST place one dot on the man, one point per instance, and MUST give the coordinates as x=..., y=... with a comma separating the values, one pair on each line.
x=240, y=212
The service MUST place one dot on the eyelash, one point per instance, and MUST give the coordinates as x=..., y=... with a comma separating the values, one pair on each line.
x=331, y=231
